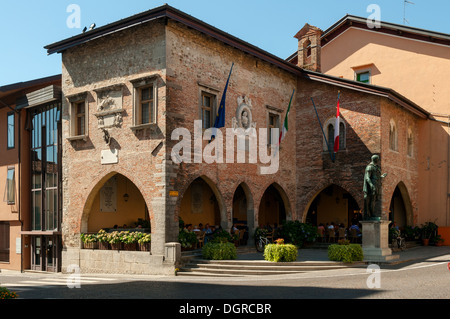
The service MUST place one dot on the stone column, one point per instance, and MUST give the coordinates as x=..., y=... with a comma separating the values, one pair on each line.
x=375, y=241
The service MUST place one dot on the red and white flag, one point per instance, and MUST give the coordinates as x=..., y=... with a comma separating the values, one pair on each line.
x=337, y=126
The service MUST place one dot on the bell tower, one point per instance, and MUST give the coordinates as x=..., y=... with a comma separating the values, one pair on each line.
x=309, y=48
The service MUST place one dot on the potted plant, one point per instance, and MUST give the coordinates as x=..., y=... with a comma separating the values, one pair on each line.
x=89, y=241
x=438, y=240
x=145, y=242
x=428, y=230
x=115, y=240
x=102, y=238
x=187, y=239
x=129, y=241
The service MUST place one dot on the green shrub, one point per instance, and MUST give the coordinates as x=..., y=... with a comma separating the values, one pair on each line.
x=280, y=253
x=219, y=251
x=187, y=239
x=345, y=253
x=223, y=237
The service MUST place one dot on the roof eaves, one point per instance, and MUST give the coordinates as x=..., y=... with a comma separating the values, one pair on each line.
x=370, y=89
x=167, y=11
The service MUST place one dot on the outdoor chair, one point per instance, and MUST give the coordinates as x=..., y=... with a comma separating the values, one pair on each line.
x=201, y=239
x=341, y=233
x=353, y=235
x=331, y=235
x=241, y=236
x=320, y=232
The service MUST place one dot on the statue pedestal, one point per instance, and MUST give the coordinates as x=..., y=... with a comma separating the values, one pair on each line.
x=375, y=241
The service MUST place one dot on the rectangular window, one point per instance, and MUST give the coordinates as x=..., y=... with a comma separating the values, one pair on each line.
x=80, y=118
x=11, y=130
x=146, y=105
x=10, y=188
x=207, y=110
x=363, y=77
x=273, y=122
x=4, y=242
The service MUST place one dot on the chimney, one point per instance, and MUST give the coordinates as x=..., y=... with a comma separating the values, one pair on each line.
x=309, y=48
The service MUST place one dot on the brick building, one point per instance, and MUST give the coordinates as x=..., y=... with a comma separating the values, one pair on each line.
x=128, y=86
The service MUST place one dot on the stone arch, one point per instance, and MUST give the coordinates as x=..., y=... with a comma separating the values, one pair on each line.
x=276, y=190
x=95, y=188
x=246, y=219
x=216, y=192
x=400, y=207
x=345, y=206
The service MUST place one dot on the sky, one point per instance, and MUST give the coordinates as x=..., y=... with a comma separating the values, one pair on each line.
x=26, y=26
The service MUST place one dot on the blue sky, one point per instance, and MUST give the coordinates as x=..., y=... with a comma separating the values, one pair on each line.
x=26, y=26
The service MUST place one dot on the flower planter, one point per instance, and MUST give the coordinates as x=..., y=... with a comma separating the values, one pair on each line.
x=116, y=246
x=90, y=245
x=425, y=241
x=144, y=247
x=103, y=246
x=130, y=247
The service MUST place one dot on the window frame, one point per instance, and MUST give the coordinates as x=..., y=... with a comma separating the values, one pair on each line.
x=393, y=135
x=75, y=101
x=275, y=113
x=8, y=115
x=212, y=108
x=10, y=187
x=138, y=86
x=358, y=73
x=410, y=143
x=342, y=134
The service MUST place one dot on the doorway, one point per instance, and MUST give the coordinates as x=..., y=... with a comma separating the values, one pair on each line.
x=45, y=253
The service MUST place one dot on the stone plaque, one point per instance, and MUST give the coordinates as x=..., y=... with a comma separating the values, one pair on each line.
x=108, y=196
x=110, y=156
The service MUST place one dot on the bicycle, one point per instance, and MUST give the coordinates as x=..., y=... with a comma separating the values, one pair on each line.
x=401, y=243
x=261, y=243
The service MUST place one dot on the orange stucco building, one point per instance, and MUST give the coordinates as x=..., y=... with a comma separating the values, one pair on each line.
x=411, y=61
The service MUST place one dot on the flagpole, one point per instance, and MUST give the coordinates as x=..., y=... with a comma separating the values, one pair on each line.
x=220, y=117
x=285, y=124
x=326, y=141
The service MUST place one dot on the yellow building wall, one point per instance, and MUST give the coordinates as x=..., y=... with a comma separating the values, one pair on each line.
x=207, y=213
x=127, y=213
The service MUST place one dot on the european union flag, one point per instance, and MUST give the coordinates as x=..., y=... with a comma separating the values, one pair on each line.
x=220, y=116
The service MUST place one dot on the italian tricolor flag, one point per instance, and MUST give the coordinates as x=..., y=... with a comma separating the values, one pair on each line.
x=285, y=127
x=336, y=126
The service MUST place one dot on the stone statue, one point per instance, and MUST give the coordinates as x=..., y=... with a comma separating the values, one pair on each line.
x=372, y=189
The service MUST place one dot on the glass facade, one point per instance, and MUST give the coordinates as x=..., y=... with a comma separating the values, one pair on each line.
x=45, y=146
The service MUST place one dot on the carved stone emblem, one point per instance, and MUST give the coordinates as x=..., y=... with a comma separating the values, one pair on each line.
x=244, y=117
x=109, y=107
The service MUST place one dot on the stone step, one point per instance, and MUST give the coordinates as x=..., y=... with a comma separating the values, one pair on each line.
x=257, y=268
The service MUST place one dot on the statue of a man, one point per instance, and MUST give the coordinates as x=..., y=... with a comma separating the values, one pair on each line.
x=372, y=189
